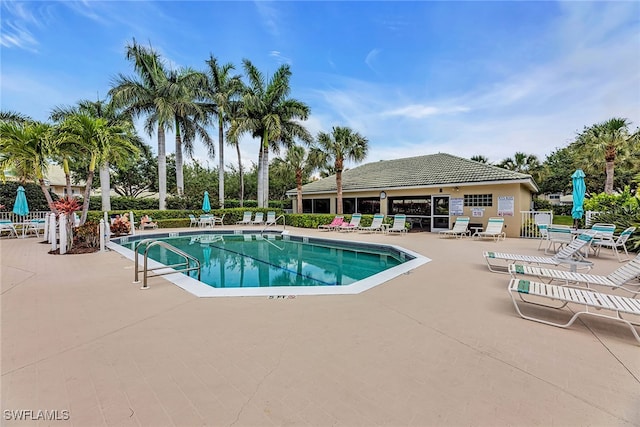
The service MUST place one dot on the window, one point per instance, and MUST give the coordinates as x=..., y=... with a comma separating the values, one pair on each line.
x=478, y=199
x=369, y=205
x=348, y=205
x=315, y=206
x=410, y=205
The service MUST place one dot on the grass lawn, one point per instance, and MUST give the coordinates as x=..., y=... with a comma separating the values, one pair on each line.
x=563, y=220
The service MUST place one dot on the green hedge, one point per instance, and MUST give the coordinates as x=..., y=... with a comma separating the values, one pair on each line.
x=35, y=197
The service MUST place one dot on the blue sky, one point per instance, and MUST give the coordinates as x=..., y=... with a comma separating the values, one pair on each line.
x=415, y=78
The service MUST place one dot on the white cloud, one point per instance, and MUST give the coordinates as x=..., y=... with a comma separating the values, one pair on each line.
x=371, y=57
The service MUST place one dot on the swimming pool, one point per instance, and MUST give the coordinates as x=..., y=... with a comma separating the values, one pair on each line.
x=233, y=263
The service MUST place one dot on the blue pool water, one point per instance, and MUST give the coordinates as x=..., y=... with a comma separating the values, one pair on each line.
x=250, y=260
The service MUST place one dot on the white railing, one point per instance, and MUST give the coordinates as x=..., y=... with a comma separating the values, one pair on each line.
x=18, y=218
x=588, y=217
x=530, y=220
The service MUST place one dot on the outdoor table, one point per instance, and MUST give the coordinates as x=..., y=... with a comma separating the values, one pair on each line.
x=476, y=230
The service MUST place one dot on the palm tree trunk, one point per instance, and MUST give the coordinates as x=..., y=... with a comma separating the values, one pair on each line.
x=339, y=165
x=162, y=169
x=67, y=175
x=240, y=172
x=87, y=189
x=608, y=183
x=105, y=187
x=47, y=195
x=221, y=163
x=265, y=178
x=299, y=190
x=260, y=182
x=179, y=162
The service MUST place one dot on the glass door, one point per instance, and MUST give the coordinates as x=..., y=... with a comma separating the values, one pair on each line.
x=439, y=213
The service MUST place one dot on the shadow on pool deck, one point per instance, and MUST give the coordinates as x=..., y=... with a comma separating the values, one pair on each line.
x=441, y=345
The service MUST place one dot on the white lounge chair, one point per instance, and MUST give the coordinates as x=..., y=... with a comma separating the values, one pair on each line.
x=618, y=279
x=271, y=218
x=493, y=230
x=259, y=219
x=376, y=225
x=543, y=229
x=8, y=228
x=614, y=243
x=246, y=218
x=559, y=235
x=337, y=222
x=219, y=220
x=352, y=225
x=584, y=297
x=398, y=225
x=193, y=221
x=460, y=228
x=569, y=256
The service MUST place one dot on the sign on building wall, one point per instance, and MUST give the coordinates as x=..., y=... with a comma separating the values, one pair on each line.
x=477, y=212
x=505, y=205
x=456, y=206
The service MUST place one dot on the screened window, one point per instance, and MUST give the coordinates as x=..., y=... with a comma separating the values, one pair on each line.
x=370, y=205
x=478, y=199
x=315, y=206
x=349, y=205
x=410, y=205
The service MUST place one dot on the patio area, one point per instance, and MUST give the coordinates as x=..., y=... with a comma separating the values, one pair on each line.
x=439, y=346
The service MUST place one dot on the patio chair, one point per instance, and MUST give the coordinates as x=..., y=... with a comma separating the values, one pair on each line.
x=8, y=228
x=337, y=222
x=587, y=298
x=193, y=221
x=398, y=225
x=259, y=219
x=568, y=256
x=352, y=225
x=271, y=218
x=543, y=229
x=493, y=230
x=617, y=279
x=614, y=243
x=246, y=218
x=34, y=226
x=219, y=220
x=376, y=225
x=558, y=235
x=459, y=230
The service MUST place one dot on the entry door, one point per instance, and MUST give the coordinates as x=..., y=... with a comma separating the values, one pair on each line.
x=439, y=213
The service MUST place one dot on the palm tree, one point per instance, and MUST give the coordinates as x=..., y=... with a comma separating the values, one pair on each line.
x=235, y=116
x=26, y=148
x=146, y=95
x=521, y=162
x=269, y=114
x=480, y=158
x=608, y=141
x=101, y=108
x=303, y=163
x=99, y=140
x=222, y=89
x=342, y=144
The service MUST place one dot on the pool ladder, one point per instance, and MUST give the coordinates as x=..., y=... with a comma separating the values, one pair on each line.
x=275, y=222
x=153, y=242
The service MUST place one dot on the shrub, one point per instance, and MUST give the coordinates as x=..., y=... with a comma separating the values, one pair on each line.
x=623, y=217
x=87, y=235
x=35, y=197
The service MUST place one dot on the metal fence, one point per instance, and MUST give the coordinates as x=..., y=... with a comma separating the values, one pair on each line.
x=529, y=222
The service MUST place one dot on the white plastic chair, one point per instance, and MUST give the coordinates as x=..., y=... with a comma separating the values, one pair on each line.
x=398, y=225
x=493, y=230
x=460, y=228
x=614, y=243
x=559, y=235
x=376, y=225
x=246, y=218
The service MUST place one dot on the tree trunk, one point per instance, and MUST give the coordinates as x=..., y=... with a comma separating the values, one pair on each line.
x=265, y=178
x=162, y=169
x=67, y=176
x=260, y=182
x=105, y=187
x=221, y=162
x=339, y=185
x=608, y=183
x=87, y=189
x=47, y=195
x=299, y=190
x=179, y=162
x=241, y=174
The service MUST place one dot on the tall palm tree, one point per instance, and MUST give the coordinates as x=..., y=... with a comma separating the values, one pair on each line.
x=303, y=163
x=480, y=158
x=235, y=116
x=608, y=141
x=342, y=144
x=521, y=162
x=269, y=114
x=26, y=148
x=146, y=95
x=99, y=140
x=222, y=89
x=101, y=108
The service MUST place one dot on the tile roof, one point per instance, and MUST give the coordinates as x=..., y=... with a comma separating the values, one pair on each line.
x=429, y=170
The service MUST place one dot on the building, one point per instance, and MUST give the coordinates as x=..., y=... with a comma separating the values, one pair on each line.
x=431, y=190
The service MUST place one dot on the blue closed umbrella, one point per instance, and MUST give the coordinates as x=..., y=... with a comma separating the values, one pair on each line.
x=579, y=189
x=206, y=206
x=20, y=207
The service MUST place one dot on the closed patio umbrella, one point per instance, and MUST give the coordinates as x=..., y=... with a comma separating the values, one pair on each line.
x=20, y=207
x=579, y=189
x=206, y=206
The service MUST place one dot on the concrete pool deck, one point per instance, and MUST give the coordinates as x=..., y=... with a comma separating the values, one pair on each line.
x=439, y=346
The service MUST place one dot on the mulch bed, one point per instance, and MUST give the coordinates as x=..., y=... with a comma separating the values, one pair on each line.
x=76, y=250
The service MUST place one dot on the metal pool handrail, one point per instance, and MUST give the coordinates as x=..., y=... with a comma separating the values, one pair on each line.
x=153, y=242
x=275, y=222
